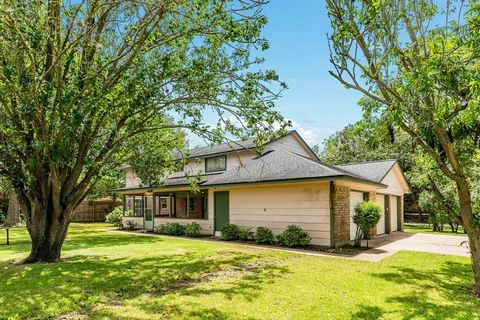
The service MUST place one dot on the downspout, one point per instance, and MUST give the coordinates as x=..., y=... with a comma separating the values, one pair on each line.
x=332, y=214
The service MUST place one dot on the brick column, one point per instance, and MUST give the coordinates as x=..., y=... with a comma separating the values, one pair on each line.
x=340, y=215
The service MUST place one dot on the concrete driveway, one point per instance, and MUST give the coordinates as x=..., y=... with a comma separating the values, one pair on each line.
x=387, y=245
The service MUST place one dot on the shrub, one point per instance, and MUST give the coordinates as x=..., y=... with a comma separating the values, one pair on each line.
x=115, y=217
x=230, y=232
x=293, y=237
x=264, y=235
x=245, y=234
x=192, y=230
x=173, y=229
x=129, y=225
x=3, y=217
x=367, y=215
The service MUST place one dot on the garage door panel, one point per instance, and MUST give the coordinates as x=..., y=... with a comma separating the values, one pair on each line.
x=381, y=224
x=393, y=213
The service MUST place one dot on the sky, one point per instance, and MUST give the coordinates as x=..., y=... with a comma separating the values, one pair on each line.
x=315, y=102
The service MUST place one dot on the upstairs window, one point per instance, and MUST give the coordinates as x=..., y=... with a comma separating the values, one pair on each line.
x=216, y=164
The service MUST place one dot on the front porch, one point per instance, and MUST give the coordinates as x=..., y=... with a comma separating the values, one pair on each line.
x=150, y=209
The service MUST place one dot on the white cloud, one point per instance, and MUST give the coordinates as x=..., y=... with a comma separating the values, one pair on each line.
x=313, y=135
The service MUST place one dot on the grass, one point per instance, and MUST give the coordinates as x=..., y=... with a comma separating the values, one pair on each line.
x=425, y=228
x=118, y=276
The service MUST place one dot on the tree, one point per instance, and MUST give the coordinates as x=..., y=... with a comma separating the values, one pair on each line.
x=373, y=138
x=80, y=80
x=418, y=65
x=12, y=216
x=367, y=215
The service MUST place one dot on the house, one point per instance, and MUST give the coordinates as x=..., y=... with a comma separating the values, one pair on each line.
x=285, y=185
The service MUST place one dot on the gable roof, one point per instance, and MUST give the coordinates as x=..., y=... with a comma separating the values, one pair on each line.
x=274, y=165
x=238, y=145
x=373, y=170
x=218, y=149
x=279, y=165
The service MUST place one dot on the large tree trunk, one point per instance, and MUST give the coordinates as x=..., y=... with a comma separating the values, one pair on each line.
x=47, y=243
x=473, y=231
x=47, y=223
x=13, y=214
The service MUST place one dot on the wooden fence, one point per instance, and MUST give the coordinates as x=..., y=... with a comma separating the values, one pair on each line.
x=94, y=210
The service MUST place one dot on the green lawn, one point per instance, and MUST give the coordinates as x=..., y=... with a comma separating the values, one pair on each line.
x=119, y=276
x=425, y=228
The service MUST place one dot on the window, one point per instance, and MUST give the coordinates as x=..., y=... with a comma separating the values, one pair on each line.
x=181, y=205
x=216, y=164
x=191, y=204
x=134, y=205
x=179, y=167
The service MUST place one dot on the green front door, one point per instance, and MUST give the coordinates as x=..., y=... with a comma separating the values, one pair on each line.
x=221, y=209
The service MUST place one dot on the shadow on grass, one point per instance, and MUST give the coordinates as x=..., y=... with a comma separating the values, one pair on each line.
x=245, y=282
x=453, y=282
x=85, y=240
x=82, y=282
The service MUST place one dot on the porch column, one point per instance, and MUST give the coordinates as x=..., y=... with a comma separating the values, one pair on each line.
x=339, y=215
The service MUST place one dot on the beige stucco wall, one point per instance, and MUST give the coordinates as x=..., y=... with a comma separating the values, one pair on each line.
x=277, y=206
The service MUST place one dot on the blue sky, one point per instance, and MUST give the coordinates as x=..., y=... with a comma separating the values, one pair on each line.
x=316, y=103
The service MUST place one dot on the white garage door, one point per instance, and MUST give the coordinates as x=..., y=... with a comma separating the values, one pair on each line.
x=355, y=197
x=393, y=213
x=381, y=223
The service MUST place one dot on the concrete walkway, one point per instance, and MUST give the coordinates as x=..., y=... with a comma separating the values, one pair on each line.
x=387, y=245
x=382, y=247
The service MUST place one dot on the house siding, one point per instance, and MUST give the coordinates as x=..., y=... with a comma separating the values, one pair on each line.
x=394, y=180
x=277, y=206
x=289, y=143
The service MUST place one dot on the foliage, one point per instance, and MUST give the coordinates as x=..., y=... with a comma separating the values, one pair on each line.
x=423, y=77
x=83, y=83
x=293, y=237
x=109, y=181
x=171, y=228
x=130, y=225
x=245, y=234
x=426, y=228
x=193, y=229
x=367, y=215
x=230, y=232
x=115, y=217
x=264, y=235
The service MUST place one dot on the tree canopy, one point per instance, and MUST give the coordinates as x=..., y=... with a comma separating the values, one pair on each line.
x=417, y=63
x=82, y=81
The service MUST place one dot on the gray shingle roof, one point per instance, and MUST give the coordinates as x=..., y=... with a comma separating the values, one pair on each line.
x=372, y=170
x=272, y=166
x=218, y=149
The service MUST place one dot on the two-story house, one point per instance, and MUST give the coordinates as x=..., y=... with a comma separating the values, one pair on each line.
x=285, y=185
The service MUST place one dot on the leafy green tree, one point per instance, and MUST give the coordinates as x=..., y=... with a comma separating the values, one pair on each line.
x=418, y=66
x=373, y=138
x=367, y=215
x=80, y=80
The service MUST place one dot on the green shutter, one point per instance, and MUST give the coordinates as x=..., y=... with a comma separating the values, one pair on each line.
x=387, y=214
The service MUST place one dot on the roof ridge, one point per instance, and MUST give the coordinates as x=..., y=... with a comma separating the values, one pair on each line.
x=365, y=162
